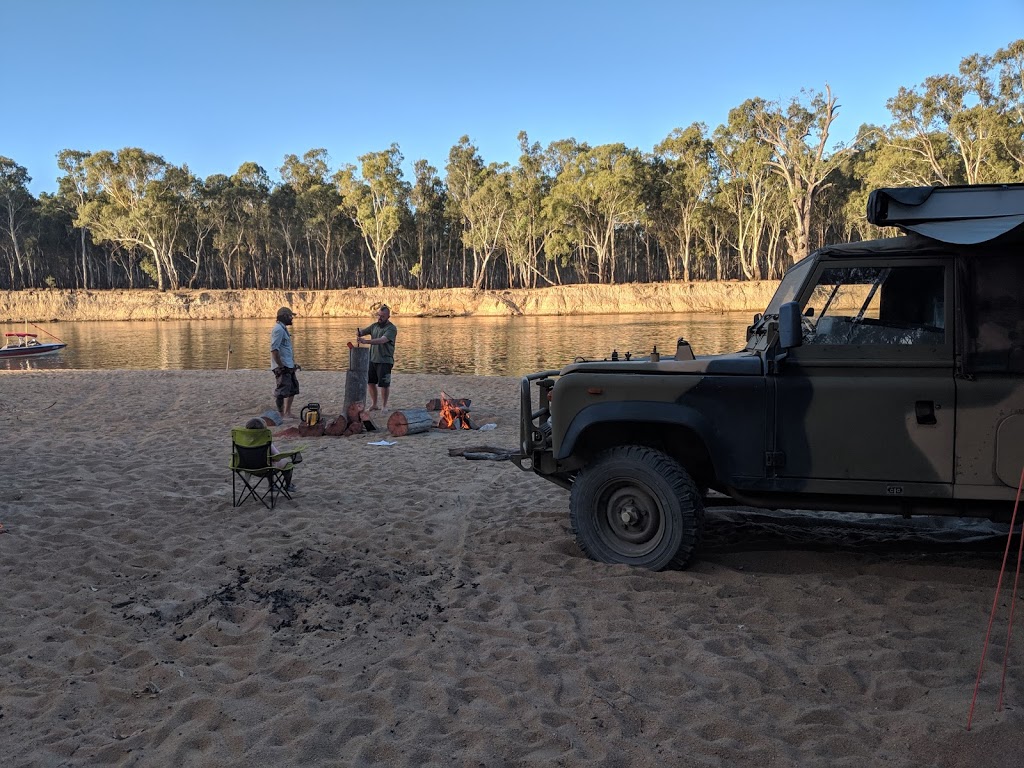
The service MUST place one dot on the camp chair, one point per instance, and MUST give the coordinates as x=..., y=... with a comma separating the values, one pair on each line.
x=253, y=471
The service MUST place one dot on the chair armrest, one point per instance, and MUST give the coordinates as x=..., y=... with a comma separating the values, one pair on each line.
x=294, y=456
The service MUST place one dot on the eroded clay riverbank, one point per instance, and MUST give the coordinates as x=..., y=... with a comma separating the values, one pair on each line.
x=86, y=305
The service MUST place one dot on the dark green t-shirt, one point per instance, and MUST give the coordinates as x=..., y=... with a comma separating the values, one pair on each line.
x=381, y=353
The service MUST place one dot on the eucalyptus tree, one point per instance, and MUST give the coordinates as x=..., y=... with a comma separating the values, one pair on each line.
x=215, y=216
x=16, y=208
x=868, y=166
x=778, y=219
x=251, y=187
x=716, y=228
x=375, y=201
x=53, y=242
x=171, y=204
x=951, y=127
x=561, y=246
x=138, y=201
x=319, y=206
x=235, y=216
x=688, y=175
x=798, y=136
x=527, y=228
x=427, y=198
x=1008, y=75
x=490, y=208
x=745, y=181
x=72, y=192
x=285, y=232
x=479, y=196
x=194, y=228
x=596, y=193
x=1009, y=63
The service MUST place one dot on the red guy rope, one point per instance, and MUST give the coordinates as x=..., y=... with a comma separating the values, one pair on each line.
x=1013, y=606
x=995, y=602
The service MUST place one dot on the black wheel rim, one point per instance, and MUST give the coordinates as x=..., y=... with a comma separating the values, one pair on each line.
x=630, y=519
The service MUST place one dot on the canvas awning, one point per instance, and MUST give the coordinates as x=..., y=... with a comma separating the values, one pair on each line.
x=964, y=215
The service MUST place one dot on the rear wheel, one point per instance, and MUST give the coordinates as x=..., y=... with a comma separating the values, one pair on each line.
x=637, y=506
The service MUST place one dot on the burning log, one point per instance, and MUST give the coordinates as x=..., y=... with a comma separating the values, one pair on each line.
x=437, y=403
x=409, y=422
x=452, y=416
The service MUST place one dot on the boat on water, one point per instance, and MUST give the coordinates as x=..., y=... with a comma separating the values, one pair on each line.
x=28, y=345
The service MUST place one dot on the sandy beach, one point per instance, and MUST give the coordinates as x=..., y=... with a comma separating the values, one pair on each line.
x=409, y=608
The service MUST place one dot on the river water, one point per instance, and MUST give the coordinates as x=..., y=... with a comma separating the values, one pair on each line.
x=487, y=346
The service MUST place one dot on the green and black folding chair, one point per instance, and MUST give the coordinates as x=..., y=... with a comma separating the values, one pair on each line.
x=253, y=471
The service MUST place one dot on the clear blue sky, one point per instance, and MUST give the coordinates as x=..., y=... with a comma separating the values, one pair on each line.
x=217, y=83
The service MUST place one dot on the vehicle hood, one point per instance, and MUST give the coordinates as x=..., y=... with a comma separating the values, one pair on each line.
x=745, y=363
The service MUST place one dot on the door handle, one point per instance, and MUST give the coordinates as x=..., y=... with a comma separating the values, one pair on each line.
x=925, y=412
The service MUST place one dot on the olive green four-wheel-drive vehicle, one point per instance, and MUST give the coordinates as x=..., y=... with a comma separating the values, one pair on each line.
x=885, y=376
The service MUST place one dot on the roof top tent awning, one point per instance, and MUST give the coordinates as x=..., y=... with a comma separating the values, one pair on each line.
x=965, y=215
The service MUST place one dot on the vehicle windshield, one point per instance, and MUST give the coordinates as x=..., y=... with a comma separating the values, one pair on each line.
x=788, y=290
x=790, y=286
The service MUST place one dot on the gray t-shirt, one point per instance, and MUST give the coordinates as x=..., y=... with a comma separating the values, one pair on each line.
x=281, y=340
x=382, y=353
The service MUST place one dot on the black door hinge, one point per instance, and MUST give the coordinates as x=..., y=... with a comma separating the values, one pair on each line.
x=776, y=459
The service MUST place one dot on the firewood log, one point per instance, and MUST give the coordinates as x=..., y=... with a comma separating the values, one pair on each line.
x=437, y=403
x=409, y=422
x=337, y=427
x=354, y=410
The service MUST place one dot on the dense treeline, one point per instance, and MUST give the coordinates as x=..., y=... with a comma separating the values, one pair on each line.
x=744, y=200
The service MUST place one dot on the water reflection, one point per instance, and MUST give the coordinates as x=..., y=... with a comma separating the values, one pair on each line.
x=490, y=346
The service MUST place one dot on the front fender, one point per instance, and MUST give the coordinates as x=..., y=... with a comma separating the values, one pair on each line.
x=673, y=415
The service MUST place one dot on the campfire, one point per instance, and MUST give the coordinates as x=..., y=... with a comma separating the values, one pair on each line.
x=454, y=414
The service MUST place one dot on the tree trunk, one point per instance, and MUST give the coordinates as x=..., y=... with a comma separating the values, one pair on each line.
x=356, y=377
x=409, y=422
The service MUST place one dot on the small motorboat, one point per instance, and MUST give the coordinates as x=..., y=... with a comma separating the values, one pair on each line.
x=28, y=345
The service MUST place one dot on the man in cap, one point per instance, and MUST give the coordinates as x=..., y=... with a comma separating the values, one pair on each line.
x=282, y=363
x=382, y=355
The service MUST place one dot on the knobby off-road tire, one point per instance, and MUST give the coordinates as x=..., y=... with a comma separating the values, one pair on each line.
x=637, y=506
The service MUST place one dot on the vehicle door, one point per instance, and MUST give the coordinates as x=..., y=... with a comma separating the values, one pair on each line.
x=867, y=403
x=990, y=389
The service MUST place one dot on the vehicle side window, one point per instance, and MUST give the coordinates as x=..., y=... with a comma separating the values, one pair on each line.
x=995, y=315
x=882, y=305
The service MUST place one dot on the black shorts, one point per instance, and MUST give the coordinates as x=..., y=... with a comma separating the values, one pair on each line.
x=287, y=384
x=380, y=374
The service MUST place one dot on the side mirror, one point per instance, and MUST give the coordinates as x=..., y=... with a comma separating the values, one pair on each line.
x=790, y=329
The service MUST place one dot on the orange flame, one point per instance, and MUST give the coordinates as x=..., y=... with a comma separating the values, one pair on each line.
x=452, y=417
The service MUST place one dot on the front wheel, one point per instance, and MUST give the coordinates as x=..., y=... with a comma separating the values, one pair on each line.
x=637, y=506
